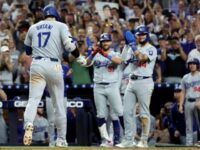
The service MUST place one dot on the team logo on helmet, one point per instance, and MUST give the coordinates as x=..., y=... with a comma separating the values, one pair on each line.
x=105, y=37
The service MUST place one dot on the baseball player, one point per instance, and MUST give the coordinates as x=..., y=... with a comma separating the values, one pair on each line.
x=140, y=87
x=195, y=53
x=45, y=41
x=106, y=87
x=190, y=86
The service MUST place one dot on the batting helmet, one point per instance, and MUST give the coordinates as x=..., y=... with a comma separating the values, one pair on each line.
x=193, y=61
x=105, y=37
x=50, y=10
x=142, y=30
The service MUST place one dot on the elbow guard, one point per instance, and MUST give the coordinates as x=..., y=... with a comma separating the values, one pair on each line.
x=28, y=50
x=70, y=44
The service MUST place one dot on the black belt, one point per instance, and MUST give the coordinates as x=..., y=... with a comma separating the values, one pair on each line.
x=104, y=83
x=40, y=57
x=191, y=100
x=134, y=77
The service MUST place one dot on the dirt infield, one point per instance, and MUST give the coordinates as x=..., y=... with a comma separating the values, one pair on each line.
x=92, y=148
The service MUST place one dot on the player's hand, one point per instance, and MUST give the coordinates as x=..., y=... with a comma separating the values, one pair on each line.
x=198, y=103
x=81, y=60
x=180, y=109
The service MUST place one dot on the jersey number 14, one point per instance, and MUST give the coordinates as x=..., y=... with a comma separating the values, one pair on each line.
x=43, y=38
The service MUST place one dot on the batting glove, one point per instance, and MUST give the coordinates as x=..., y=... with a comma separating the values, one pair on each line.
x=131, y=41
x=94, y=52
x=81, y=60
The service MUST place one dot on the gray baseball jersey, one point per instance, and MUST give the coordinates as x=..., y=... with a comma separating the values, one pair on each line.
x=147, y=68
x=48, y=39
x=104, y=69
x=191, y=84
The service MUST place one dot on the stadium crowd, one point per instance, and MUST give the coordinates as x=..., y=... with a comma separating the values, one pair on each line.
x=172, y=27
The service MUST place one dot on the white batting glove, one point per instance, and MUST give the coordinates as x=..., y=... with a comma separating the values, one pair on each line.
x=81, y=60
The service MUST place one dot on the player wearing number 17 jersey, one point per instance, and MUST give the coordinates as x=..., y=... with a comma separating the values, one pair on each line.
x=140, y=87
x=45, y=41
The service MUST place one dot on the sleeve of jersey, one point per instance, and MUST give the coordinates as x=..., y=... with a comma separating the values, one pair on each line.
x=182, y=85
x=151, y=53
x=67, y=39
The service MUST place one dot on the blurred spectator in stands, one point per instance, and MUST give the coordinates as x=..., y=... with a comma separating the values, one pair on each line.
x=106, y=12
x=178, y=128
x=195, y=53
x=182, y=12
x=18, y=11
x=195, y=23
x=23, y=69
x=151, y=139
x=148, y=13
x=138, y=13
x=158, y=17
x=3, y=126
x=127, y=8
x=20, y=34
x=167, y=120
x=175, y=62
x=6, y=66
x=35, y=4
x=14, y=55
x=189, y=43
x=86, y=17
x=5, y=33
x=63, y=13
x=38, y=14
x=161, y=133
x=40, y=125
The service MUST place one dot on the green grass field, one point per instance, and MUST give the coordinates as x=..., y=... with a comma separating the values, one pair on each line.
x=90, y=148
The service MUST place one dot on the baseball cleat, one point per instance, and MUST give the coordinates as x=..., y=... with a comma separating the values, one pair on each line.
x=106, y=143
x=104, y=133
x=28, y=134
x=126, y=143
x=61, y=143
x=142, y=144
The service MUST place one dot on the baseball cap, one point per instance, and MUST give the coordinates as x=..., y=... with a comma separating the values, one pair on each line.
x=4, y=49
x=162, y=37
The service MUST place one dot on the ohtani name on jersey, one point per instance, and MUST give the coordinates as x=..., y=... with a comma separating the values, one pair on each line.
x=44, y=26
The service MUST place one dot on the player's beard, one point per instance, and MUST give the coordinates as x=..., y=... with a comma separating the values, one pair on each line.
x=106, y=48
x=142, y=42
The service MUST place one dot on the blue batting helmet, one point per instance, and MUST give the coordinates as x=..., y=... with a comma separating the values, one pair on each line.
x=193, y=61
x=50, y=10
x=140, y=30
x=105, y=37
